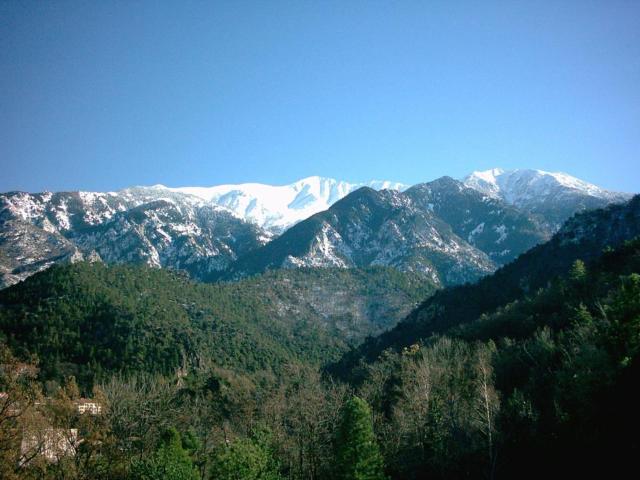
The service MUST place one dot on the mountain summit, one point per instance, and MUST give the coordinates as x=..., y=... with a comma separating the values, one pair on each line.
x=553, y=196
x=276, y=208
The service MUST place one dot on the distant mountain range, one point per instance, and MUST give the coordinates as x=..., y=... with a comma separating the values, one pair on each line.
x=555, y=196
x=447, y=230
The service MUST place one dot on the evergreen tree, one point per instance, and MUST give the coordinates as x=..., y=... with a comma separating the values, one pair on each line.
x=578, y=271
x=357, y=453
x=169, y=462
x=246, y=459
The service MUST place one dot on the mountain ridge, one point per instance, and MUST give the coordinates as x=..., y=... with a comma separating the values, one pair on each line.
x=174, y=228
x=278, y=207
x=405, y=230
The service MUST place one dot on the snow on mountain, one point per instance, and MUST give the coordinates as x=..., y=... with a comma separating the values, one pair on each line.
x=200, y=230
x=147, y=225
x=448, y=230
x=523, y=186
x=372, y=228
x=276, y=208
x=554, y=197
x=490, y=224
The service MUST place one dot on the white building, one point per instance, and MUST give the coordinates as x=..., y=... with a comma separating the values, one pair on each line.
x=86, y=405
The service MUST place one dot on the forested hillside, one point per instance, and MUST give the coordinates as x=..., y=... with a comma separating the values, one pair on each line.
x=551, y=377
x=90, y=320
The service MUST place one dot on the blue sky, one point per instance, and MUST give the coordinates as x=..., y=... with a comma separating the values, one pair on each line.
x=103, y=95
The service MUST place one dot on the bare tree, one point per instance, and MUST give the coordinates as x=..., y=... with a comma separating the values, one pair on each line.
x=302, y=414
x=487, y=402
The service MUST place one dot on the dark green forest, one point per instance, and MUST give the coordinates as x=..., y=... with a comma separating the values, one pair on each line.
x=531, y=372
x=89, y=320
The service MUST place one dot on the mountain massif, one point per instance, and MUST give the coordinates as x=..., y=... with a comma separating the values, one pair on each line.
x=370, y=228
x=140, y=225
x=443, y=230
x=276, y=208
x=447, y=231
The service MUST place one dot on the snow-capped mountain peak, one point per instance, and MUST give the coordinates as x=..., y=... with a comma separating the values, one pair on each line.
x=276, y=208
x=553, y=195
x=485, y=181
x=518, y=186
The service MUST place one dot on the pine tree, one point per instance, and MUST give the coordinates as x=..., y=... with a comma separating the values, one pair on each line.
x=578, y=271
x=357, y=453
